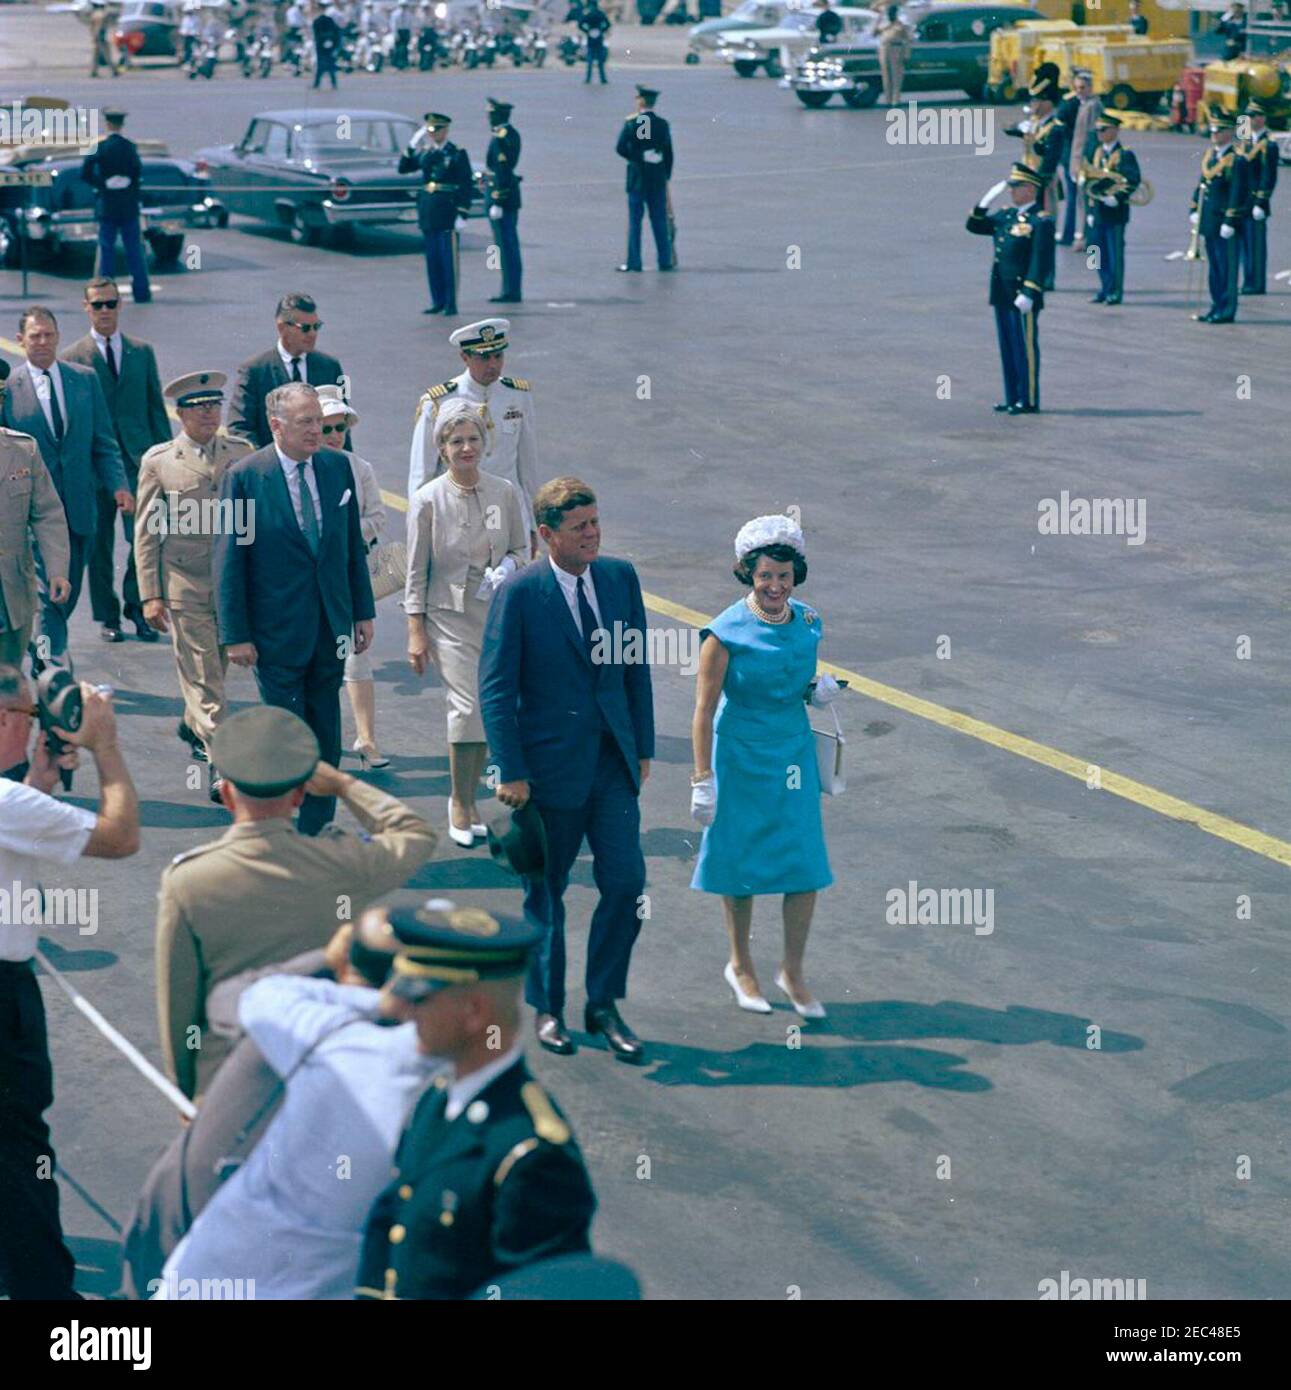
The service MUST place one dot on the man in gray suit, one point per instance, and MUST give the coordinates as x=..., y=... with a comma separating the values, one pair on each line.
x=295, y=357
x=62, y=407
x=127, y=372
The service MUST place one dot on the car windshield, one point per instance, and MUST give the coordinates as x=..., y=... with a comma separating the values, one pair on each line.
x=757, y=10
x=357, y=140
x=798, y=19
x=144, y=9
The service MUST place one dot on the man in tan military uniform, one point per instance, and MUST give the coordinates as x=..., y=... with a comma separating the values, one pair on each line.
x=174, y=536
x=29, y=503
x=264, y=892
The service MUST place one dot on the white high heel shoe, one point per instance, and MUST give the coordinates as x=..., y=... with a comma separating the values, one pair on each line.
x=754, y=1003
x=460, y=837
x=813, y=1010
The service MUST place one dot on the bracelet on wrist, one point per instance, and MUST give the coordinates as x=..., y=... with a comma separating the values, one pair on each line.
x=697, y=777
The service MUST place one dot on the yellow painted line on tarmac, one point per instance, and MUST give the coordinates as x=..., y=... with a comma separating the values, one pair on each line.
x=1244, y=836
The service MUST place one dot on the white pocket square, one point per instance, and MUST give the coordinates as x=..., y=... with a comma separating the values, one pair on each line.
x=345, y=497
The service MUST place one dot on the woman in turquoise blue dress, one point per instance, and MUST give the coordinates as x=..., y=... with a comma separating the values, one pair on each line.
x=755, y=786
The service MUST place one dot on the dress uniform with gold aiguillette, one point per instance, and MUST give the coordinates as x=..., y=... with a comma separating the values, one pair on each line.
x=29, y=505
x=1262, y=157
x=501, y=1185
x=1221, y=204
x=1024, y=252
x=178, y=494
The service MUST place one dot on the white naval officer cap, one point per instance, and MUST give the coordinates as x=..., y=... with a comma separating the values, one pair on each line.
x=482, y=339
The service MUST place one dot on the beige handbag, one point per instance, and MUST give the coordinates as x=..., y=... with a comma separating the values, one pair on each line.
x=829, y=757
x=388, y=568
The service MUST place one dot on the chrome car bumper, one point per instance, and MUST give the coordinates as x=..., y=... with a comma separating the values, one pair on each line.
x=349, y=214
x=821, y=84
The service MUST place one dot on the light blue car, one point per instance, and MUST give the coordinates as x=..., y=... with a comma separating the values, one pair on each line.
x=751, y=14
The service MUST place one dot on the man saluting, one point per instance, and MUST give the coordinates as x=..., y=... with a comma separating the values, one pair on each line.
x=1024, y=237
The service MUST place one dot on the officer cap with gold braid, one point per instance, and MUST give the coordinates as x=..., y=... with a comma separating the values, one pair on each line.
x=1108, y=118
x=197, y=388
x=441, y=943
x=265, y=751
x=1045, y=83
x=482, y=339
x=1022, y=173
x=1222, y=120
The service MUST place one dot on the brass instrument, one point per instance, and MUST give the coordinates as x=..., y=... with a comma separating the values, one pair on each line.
x=1098, y=183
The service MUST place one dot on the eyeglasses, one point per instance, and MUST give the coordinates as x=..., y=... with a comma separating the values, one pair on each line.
x=103, y=303
x=334, y=429
x=304, y=327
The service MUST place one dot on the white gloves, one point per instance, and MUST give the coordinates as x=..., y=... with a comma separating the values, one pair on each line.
x=703, y=800
x=419, y=139
x=1109, y=201
x=826, y=692
x=653, y=156
x=992, y=193
x=1024, y=304
x=1089, y=221
x=493, y=578
x=1258, y=214
x=495, y=212
x=1194, y=219
x=1227, y=232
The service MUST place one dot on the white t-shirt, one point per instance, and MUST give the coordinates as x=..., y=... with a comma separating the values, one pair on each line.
x=33, y=827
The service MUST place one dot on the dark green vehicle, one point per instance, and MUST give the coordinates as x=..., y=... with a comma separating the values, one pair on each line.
x=950, y=48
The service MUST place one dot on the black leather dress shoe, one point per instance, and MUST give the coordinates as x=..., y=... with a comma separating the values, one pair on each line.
x=144, y=630
x=186, y=735
x=111, y=633
x=1113, y=299
x=1001, y=407
x=216, y=783
x=1099, y=299
x=505, y=299
x=1014, y=410
x=432, y=310
x=624, y=1043
x=1204, y=318
x=553, y=1035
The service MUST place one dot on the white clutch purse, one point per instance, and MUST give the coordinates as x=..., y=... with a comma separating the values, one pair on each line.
x=388, y=568
x=829, y=757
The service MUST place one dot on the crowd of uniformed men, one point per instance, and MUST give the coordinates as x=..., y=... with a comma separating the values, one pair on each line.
x=1075, y=185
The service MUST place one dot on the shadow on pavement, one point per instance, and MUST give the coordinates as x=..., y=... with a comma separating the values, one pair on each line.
x=888, y=1020
x=69, y=962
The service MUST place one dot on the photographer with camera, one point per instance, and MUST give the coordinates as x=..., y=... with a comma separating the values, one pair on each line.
x=34, y=1262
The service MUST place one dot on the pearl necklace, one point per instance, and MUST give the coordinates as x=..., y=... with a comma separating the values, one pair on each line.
x=759, y=612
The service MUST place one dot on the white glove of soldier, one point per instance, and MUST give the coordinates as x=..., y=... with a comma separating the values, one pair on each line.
x=1227, y=232
x=1089, y=221
x=422, y=135
x=1194, y=219
x=495, y=212
x=826, y=691
x=992, y=193
x=1258, y=214
x=703, y=800
x=1108, y=201
x=1024, y=304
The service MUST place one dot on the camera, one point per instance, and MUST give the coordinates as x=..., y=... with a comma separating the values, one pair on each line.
x=58, y=705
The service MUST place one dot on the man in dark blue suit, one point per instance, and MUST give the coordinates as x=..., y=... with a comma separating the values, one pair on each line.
x=62, y=406
x=572, y=728
x=292, y=594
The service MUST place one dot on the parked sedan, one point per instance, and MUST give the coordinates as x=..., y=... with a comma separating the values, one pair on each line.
x=312, y=171
x=751, y=14
x=950, y=51
x=58, y=217
x=778, y=49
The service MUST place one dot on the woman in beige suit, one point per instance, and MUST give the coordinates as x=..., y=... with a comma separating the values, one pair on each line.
x=466, y=533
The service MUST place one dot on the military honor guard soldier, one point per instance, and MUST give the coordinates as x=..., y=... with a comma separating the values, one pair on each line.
x=1023, y=238
x=29, y=506
x=179, y=488
x=1109, y=205
x=1220, y=205
x=646, y=143
x=1262, y=158
x=445, y=193
x=1045, y=141
x=488, y=1176
x=506, y=403
x=504, y=198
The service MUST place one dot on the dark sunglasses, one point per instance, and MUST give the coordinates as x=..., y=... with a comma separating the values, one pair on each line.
x=103, y=303
x=333, y=429
x=304, y=327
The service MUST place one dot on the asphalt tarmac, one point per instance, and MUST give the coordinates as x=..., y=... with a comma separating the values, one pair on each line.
x=950, y=1131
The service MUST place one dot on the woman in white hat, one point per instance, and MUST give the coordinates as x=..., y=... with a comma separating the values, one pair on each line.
x=466, y=533
x=339, y=418
x=755, y=785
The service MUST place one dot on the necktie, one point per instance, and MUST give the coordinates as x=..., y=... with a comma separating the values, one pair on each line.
x=55, y=413
x=295, y=369
x=586, y=616
x=308, y=516
x=112, y=359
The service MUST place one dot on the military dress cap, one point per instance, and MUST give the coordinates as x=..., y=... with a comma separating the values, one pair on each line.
x=482, y=339
x=1023, y=173
x=114, y=115
x=500, y=111
x=1255, y=108
x=519, y=841
x=647, y=93
x=197, y=388
x=441, y=944
x=1107, y=118
x=265, y=751
x=436, y=120
x=1045, y=82
x=1222, y=120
